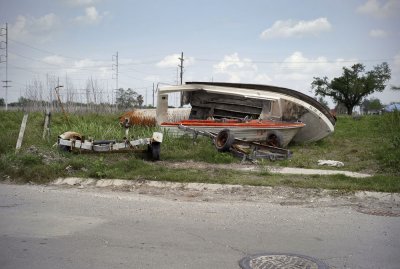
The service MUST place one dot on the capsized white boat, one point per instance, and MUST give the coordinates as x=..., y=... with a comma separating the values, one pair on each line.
x=237, y=101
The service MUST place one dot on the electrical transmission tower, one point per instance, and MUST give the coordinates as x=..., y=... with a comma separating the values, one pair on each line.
x=115, y=68
x=6, y=86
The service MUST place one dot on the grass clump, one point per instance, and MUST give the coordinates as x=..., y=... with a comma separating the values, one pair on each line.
x=200, y=149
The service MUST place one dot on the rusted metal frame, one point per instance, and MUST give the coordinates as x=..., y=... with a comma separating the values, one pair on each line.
x=256, y=151
x=195, y=132
x=258, y=146
x=255, y=148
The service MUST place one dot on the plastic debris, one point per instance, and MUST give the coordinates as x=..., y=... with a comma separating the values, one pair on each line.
x=330, y=163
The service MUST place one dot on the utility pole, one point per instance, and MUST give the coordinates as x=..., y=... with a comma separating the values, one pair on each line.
x=115, y=67
x=181, y=67
x=6, y=86
x=146, y=101
x=181, y=75
x=153, y=94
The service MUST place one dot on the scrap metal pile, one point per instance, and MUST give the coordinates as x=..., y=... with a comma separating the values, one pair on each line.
x=72, y=141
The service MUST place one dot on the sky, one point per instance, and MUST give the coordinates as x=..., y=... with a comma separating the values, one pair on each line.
x=282, y=43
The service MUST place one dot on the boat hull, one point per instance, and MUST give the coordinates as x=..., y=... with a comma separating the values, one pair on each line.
x=232, y=100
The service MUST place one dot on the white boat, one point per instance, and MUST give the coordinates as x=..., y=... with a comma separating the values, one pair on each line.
x=236, y=101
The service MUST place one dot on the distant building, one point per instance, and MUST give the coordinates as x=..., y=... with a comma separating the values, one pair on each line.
x=392, y=107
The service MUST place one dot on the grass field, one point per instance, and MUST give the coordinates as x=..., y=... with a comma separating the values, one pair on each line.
x=370, y=145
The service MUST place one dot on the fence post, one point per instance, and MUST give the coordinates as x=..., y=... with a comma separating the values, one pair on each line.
x=21, y=133
x=46, y=128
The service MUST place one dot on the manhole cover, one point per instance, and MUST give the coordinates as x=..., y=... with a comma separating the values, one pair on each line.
x=281, y=260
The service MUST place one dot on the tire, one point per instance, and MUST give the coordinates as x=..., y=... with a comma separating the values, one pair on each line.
x=64, y=148
x=155, y=151
x=224, y=140
x=274, y=139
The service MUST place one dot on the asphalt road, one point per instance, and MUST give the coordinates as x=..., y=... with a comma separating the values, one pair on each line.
x=58, y=227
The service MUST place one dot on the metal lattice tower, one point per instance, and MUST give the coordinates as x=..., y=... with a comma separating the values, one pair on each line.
x=6, y=86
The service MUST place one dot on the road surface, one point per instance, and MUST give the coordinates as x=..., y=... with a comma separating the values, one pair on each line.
x=89, y=227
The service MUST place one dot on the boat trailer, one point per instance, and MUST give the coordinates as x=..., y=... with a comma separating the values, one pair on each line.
x=72, y=141
x=225, y=141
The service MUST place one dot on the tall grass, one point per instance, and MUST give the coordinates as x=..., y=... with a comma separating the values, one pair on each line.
x=364, y=145
x=388, y=152
x=371, y=144
x=98, y=127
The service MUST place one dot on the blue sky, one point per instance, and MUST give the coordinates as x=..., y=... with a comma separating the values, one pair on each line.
x=283, y=43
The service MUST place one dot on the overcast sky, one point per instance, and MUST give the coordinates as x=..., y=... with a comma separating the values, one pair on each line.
x=282, y=43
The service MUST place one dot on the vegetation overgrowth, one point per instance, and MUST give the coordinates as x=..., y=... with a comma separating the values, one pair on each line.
x=370, y=144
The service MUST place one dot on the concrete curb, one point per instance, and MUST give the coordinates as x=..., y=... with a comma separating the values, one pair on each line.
x=200, y=187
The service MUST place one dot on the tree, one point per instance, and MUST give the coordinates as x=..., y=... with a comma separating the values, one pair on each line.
x=126, y=99
x=323, y=101
x=140, y=100
x=395, y=88
x=340, y=109
x=2, y=103
x=371, y=104
x=353, y=85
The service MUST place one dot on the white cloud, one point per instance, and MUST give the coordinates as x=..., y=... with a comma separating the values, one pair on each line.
x=378, y=33
x=88, y=63
x=295, y=72
x=92, y=16
x=397, y=61
x=30, y=28
x=152, y=78
x=289, y=28
x=173, y=61
x=80, y=2
x=299, y=68
x=54, y=60
x=100, y=68
x=380, y=9
x=234, y=69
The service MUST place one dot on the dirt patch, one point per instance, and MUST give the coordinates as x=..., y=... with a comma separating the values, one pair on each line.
x=47, y=157
x=259, y=168
x=203, y=166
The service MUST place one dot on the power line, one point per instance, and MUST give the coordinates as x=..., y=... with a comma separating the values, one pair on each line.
x=25, y=69
x=141, y=62
x=59, y=65
x=285, y=62
x=49, y=52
